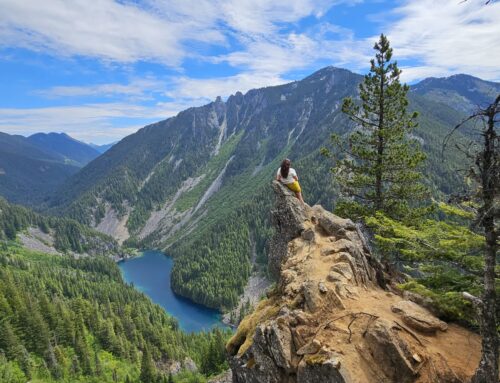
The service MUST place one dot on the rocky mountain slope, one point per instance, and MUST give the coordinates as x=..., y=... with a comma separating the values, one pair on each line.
x=196, y=184
x=333, y=318
x=461, y=92
x=53, y=235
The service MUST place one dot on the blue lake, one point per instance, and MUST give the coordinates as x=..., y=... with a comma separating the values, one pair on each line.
x=150, y=273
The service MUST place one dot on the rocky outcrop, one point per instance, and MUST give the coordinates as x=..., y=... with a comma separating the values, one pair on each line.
x=92, y=243
x=287, y=217
x=418, y=317
x=114, y=224
x=330, y=318
x=226, y=377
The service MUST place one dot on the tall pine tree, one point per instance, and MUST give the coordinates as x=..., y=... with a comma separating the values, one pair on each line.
x=148, y=372
x=378, y=170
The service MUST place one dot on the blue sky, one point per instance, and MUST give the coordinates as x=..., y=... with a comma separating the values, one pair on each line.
x=100, y=70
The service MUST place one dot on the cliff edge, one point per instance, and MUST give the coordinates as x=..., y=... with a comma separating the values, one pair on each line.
x=330, y=318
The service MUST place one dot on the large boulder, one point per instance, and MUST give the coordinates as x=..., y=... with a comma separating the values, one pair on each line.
x=321, y=369
x=390, y=352
x=332, y=224
x=418, y=318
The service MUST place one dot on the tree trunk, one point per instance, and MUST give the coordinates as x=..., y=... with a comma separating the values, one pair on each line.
x=380, y=145
x=487, y=372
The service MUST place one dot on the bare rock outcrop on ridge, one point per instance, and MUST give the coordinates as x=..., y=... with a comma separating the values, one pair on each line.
x=330, y=318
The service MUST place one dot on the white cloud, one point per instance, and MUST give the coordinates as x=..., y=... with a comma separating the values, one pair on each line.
x=126, y=32
x=448, y=36
x=261, y=39
x=444, y=36
x=204, y=90
x=104, y=29
x=137, y=89
x=86, y=121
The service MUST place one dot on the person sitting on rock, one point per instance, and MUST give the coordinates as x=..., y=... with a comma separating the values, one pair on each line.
x=288, y=177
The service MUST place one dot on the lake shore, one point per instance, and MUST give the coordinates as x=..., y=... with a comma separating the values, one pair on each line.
x=150, y=273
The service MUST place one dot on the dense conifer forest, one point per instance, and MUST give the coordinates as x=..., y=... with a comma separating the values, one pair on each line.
x=69, y=235
x=74, y=320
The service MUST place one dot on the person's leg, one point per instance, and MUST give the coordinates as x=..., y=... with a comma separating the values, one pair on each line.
x=299, y=196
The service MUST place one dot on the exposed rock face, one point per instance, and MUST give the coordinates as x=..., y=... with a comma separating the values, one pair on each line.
x=115, y=225
x=288, y=217
x=418, y=318
x=35, y=239
x=226, y=377
x=330, y=320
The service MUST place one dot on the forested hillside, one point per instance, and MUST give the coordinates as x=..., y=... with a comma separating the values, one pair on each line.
x=74, y=320
x=32, y=168
x=68, y=235
x=197, y=183
x=70, y=149
x=28, y=174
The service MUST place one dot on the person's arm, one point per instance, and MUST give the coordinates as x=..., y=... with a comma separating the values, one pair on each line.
x=278, y=176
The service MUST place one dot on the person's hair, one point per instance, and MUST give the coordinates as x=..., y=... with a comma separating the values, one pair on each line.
x=285, y=167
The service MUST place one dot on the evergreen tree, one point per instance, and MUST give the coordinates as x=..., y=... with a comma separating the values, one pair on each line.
x=82, y=351
x=52, y=363
x=8, y=340
x=25, y=361
x=75, y=366
x=379, y=168
x=97, y=363
x=147, y=368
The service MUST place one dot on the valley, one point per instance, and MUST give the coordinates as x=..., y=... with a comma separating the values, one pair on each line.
x=149, y=273
x=196, y=185
x=249, y=191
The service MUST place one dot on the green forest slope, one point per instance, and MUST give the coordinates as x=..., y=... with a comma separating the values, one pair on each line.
x=74, y=320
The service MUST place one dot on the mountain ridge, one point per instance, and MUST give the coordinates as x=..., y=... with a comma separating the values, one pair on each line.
x=66, y=146
x=202, y=175
x=28, y=173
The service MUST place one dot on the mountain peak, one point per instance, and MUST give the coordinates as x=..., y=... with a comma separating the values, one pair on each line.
x=65, y=145
x=462, y=92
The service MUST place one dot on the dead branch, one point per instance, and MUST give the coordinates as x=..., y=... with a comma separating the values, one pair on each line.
x=412, y=334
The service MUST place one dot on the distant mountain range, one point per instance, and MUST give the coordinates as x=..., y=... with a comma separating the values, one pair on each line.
x=192, y=182
x=102, y=148
x=65, y=147
x=33, y=167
